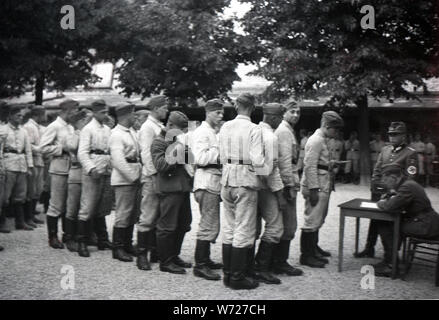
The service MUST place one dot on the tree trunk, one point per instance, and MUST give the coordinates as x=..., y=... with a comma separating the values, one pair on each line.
x=39, y=87
x=363, y=134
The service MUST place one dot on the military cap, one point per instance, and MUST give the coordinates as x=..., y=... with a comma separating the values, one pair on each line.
x=246, y=99
x=78, y=116
x=98, y=105
x=397, y=127
x=332, y=119
x=143, y=112
x=36, y=110
x=214, y=105
x=179, y=119
x=275, y=109
x=68, y=104
x=124, y=109
x=291, y=104
x=157, y=102
x=392, y=168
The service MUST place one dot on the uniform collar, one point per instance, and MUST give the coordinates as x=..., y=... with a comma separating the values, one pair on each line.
x=123, y=128
x=288, y=125
x=154, y=120
x=265, y=125
x=32, y=121
x=399, y=148
x=12, y=126
x=62, y=121
x=96, y=123
x=243, y=117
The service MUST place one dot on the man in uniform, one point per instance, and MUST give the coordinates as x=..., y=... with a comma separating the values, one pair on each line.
x=317, y=184
x=54, y=144
x=18, y=165
x=430, y=153
x=336, y=146
x=93, y=154
x=288, y=168
x=407, y=197
x=3, y=136
x=419, y=147
x=141, y=116
x=207, y=188
x=36, y=180
x=375, y=148
x=125, y=178
x=241, y=153
x=303, y=139
x=397, y=152
x=173, y=185
x=352, y=169
x=149, y=207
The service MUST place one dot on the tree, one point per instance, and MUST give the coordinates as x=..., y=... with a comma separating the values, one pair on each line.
x=318, y=47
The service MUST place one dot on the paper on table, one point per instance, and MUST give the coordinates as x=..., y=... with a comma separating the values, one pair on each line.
x=370, y=205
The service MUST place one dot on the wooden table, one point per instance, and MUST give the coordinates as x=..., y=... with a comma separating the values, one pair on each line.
x=353, y=208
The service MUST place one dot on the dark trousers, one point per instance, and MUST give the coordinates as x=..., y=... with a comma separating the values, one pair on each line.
x=174, y=221
x=385, y=230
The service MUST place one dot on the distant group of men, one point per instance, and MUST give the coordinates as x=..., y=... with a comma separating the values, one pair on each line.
x=148, y=169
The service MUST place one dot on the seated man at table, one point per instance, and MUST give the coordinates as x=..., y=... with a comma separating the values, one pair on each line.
x=408, y=198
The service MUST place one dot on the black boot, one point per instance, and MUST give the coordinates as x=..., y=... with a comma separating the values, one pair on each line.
x=35, y=212
x=119, y=237
x=20, y=224
x=239, y=265
x=317, y=254
x=251, y=271
x=153, y=256
x=142, y=250
x=83, y=232
x=213, y=265
x=44, y=199
x=307, y=249
x=372, y=237
x=128, y=242
x=166, y=250
x=100, y=227
x=263, y=260
x=3, y=224
x=92, y=238
x=28, y=214
x=178, y=244
x=227, y=258
x=52, y=230
x=280, y=264
x=70, y=235
x=201, y=268
x=320, y=250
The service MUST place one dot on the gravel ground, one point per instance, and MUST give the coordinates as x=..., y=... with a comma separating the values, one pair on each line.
x=29, y=269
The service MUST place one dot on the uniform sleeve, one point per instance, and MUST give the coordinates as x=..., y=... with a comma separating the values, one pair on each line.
x=274, y=180
x=84, y=150
x=118, y=160
x=28, y=150
x=35, y=148
x=158, y=154
x=146, y=137
x=48, y=145
x=312, y=154
x=204, y=152
x=397, y=202
x=286, y=159
x=256, y=151
x=376, y=175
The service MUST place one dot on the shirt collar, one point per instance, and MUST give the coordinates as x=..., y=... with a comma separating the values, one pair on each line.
x=288, y=125
x=123, y=128
x=96, y=123
x=32, y=121
x=12, y=126
x=206, y=125
x=265, y=125
x=156, y=121
x=61, y=120
x=243, y=117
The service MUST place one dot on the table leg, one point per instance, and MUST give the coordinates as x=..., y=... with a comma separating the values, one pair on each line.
x=340, y=242
x=395, y=247
x=357, y=234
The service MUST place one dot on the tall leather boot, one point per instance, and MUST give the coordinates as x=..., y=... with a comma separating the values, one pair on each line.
x=3, y=225
x=153, y=256
x=239, y=265
x=251, y=267
x=166, y=250
x=179, y=237
x=320, y=250
x=92, y=238
x=307, y=249
x=142, y=250
x=317, y=254
x=227, y=258
x=119, y=235
x=83, y=232
x=128, y=241
x=280, y=265
x=52, y=231
x=100, y=227
x=44, y=199
x=70, y=235
x=28, y=214
x=211, y=264
x=20, y=224
x=263, y=259
x=35, y=212
x=201, y=268
x=372, y=237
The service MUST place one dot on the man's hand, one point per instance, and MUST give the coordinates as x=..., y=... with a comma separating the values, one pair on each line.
x=290, y=194
x=313, y=197
x=30, y=172
x=94, y=173
x=281, y=200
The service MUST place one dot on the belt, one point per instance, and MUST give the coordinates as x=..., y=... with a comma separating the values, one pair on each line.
x=12, y=151
x=76, y=163
x=131, y=160
x=210, y=166
x=322, y=167
x=240, y=161
x=98, y=152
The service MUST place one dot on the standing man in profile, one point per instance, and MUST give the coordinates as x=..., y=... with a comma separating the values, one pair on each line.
x=149, y=205
x=397, y=152
x=289, y=172
x=125, y=178
x=54, y=144
x=242, y=155
x=207, y=188
x=94, y=156
x=317, y=184
x=352, y=169
x=36, y=180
